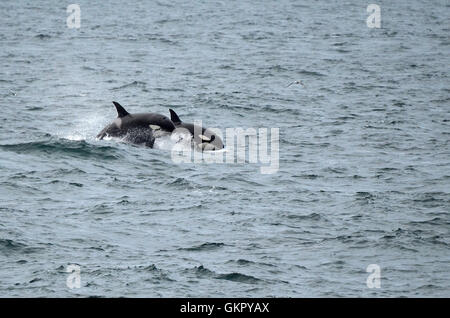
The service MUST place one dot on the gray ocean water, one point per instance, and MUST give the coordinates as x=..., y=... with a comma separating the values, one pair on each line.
x=364, y=158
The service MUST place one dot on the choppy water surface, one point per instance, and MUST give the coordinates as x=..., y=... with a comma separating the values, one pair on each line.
x=364, y=149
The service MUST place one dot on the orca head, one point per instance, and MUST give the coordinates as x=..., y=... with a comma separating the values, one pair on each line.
x=210, y=141
x=207, y=140
x=114, y=129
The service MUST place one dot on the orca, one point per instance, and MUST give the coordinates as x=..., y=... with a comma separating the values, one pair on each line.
x=204, y=138
x=137, y=128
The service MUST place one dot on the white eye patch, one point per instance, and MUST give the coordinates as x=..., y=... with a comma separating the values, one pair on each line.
x=154, y=127
x=204, y=138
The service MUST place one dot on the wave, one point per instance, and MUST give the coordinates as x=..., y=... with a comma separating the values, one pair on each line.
x=43, y=36
x=240, y=278
x=132, y=84
x=8, y=246
x=65, y=147
x=204, y=247
x=245, y=262
x=203, y=272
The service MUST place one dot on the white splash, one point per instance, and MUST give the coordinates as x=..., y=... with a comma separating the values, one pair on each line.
x=179, y=139
x=85, y=128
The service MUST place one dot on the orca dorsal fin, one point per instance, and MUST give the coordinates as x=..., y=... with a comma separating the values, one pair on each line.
x=121, y=112
x=174, y=117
